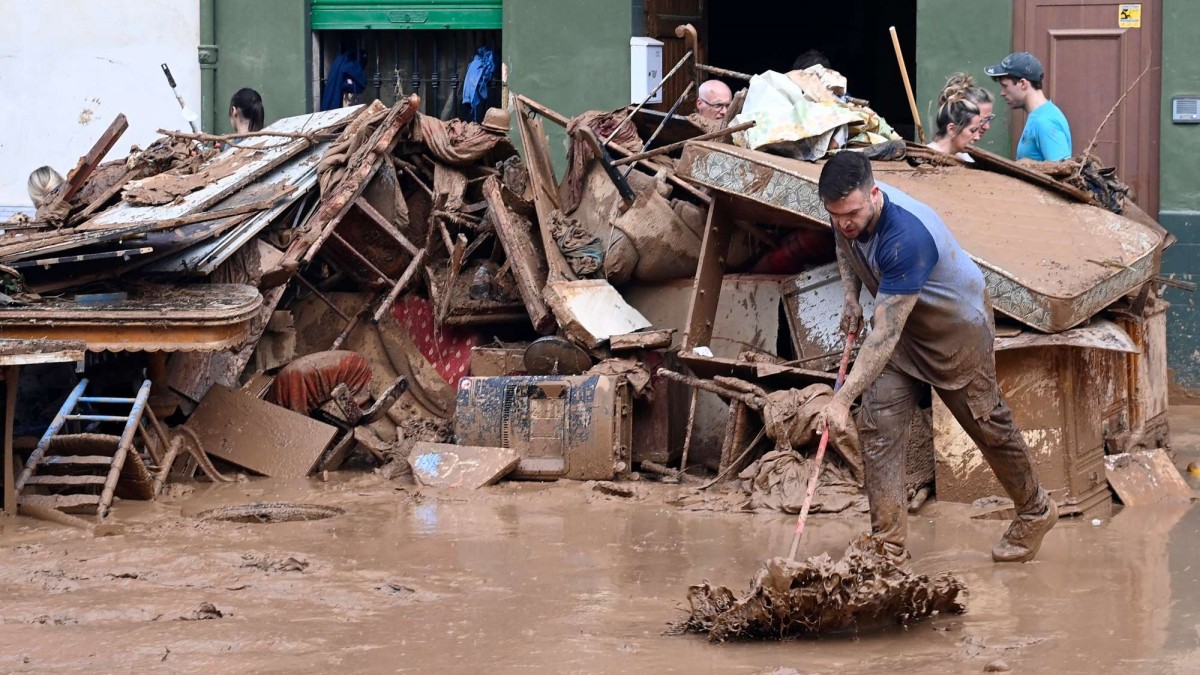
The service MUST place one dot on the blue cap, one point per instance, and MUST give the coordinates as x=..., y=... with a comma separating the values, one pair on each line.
x=1020, y=65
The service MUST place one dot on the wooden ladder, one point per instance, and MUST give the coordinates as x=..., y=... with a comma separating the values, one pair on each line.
x=81, y=472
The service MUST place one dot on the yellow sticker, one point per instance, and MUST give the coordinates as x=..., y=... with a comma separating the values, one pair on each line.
x=1130, y=15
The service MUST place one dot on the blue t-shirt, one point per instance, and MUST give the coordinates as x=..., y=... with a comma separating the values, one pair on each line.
x=912, y=252
x=1047, y=136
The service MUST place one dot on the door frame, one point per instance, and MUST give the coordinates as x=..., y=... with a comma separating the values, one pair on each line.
x=1151, y=118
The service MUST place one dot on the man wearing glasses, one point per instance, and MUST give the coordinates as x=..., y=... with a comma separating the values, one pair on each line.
x=713, y=101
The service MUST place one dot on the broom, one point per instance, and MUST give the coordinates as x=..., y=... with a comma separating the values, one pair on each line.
x=812, y=482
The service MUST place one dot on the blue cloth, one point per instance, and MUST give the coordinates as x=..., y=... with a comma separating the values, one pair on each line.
x=346, y=76
x=1047, y=136
x=475, y=89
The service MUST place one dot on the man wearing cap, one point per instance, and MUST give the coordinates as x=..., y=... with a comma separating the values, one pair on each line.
x=1047, y=136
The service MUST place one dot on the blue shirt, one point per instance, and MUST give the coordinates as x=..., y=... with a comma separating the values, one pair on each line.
x=1047, y=136
x=911, y=252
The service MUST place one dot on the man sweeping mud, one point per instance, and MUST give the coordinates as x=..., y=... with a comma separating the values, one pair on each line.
x=933, y=326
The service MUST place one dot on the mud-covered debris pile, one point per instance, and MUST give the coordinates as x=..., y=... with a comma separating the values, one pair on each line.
x=863, y=590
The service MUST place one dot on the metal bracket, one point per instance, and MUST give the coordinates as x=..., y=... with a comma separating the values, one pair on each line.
x=207, y=55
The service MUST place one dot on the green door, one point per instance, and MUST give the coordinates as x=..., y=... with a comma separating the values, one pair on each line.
x=265, y=45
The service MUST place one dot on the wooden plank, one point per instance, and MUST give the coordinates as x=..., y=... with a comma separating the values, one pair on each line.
x=1146, y=477
x=88, y=163
x=443, y=465
x=60, y=501
x=544, y=187
x=651, y=339
x=231, y=171
x=385, y=225
x=259, y=436
x=76, y=460
x=706, y=290
x=591, y=310
x=11, y=376
x=66, y=480
x=527, y=262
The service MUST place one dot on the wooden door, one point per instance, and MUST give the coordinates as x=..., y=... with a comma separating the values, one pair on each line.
x=662, y=16
x=1090, y=61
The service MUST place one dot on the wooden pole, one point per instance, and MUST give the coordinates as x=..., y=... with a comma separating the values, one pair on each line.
x=912, y=101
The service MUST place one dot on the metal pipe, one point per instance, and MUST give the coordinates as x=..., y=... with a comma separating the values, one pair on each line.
x=663, y=123
x=378, y=79
x=676, y=146
x=649, y=96
x=434, y=82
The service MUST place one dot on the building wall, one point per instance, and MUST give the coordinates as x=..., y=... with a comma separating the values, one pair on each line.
x=570, y=56
x=1180, y=187
x=949, y=40
x=70, y=66
x=265, y=45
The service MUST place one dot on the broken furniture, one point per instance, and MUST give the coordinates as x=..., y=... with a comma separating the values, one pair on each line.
x=1088, y=257
x=82, y=472
x=154, y=319
x=265, y=438
x=444, y=465
x=1067, y=393
x=13, y=355
x=562, y=427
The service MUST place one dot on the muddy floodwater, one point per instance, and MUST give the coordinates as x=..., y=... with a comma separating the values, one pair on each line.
x=560, y=578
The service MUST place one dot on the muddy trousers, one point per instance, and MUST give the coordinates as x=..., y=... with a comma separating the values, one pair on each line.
x=883, y=426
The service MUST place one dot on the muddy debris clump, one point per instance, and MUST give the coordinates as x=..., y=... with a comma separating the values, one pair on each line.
x=865, y=589
x=271, y=512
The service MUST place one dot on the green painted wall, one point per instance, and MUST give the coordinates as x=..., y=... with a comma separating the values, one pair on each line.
x=571, y=56
x=1179, y=191
x=265, y=45
x=952, y=37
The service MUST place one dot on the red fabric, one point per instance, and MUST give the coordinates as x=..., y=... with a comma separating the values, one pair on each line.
x=308, y=382
x=798, y=250
x=447, y=348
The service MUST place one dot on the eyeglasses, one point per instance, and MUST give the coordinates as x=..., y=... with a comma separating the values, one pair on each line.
x=986, y=119
x=718, y=106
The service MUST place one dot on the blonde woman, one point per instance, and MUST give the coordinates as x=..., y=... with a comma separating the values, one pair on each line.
x=42, y=182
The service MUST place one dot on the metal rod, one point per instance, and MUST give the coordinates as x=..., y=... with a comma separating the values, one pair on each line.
x=320, y=296
x=707, y=385
x=676, y=146
x=378, y=79
x=55, y=425
x=721, y=72
x=105, y=399
x=435, y=77
x=97, y=418
x=649, y=96
x=663, y=123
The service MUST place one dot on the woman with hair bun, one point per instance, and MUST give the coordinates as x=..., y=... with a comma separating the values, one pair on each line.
x=959, y=119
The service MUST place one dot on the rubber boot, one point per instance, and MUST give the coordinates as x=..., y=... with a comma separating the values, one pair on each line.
x=1024, y=537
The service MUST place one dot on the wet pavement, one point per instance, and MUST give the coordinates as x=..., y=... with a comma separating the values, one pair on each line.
x=560, y=578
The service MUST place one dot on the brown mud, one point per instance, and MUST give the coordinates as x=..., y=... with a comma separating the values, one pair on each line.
x=561, y=578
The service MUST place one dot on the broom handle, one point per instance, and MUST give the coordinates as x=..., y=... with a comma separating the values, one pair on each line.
x=912, y=101
x=812, y=482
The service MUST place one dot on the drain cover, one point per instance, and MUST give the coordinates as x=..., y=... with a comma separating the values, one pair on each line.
x=273, y=512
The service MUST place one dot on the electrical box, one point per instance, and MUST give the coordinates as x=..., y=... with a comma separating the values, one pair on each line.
x=1186, y=109
x=645, y=69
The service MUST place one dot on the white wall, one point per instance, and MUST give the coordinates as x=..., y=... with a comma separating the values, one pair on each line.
x=68, y=67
